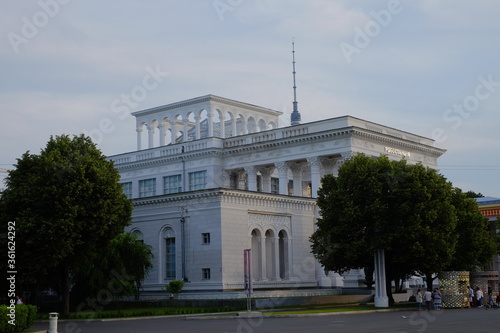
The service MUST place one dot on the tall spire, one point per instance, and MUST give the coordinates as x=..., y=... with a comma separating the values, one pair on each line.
x=295, y=118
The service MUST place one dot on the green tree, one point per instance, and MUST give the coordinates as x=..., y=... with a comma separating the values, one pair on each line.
x=67, y=204
x=118, y=268
x=471, y=194
x=476, y=244
x=375, y=204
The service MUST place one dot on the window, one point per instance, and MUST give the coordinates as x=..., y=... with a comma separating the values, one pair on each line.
x=197, y=180
x=275, y=185
x=170, y=257
x=147, y=187
x=205, y=238
x=139, y=237
x=172, y=184
x=127, y=189
x=205, y=273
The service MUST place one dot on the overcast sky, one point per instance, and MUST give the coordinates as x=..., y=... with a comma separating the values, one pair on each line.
x=428, y=67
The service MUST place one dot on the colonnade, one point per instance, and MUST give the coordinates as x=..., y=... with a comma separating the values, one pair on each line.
x=180, y=126
x=304, y=172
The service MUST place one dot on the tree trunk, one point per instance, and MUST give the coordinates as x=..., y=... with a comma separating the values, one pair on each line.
x=65, y=289
x=428, y=281
x=388, y=286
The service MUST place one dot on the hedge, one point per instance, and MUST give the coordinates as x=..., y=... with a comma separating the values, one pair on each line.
x=17, y=318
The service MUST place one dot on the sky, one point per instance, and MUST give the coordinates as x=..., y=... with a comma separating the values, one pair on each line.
x=429, y=67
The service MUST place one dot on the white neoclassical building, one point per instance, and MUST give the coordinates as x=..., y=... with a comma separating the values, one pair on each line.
x=212, y=177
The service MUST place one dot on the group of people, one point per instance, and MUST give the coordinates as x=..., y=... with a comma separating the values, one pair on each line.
x=476, y=298
x=431, y=299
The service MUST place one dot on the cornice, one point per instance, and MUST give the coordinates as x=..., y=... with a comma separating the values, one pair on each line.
x=266, y=201
x=212, y=152
x=205, y=99
x=289, y=141
x=400, y=142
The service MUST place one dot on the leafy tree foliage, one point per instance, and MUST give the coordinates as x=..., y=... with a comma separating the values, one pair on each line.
x=471, y=194
x=375, y=204
x=67, y=204
x=476, y=239
x=118, y=269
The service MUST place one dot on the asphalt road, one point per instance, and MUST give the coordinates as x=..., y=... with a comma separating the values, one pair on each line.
x=451, y=320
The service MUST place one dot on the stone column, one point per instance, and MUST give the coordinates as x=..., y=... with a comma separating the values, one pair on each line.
x=139, y=138
x=222, y=126
x=173, y=130
x=283, y=177
x=315, y=163
x=197, y=124
x=328, y=166
x=185, y=129
x=381, y=299
x=263, y=271
x=297, y=178
x=233, y=126
x=276, y=272
x=244, y=125
x=210, y=119
x=266, y=178
x=151, y=133
x=161, y=128
x=241, y=184
x=251, y=178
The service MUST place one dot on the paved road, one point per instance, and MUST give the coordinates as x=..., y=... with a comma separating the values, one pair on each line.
x=455, y=320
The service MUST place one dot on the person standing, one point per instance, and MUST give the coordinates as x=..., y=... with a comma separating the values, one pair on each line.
x=470, y=293
x=436, y=296
x=419, y=300
x=479, y=297
x=428, y=299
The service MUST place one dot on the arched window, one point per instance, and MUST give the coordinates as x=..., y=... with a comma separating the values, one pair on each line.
x=270, y=255
x=170, y=252
x=283, y=255
x=256, y=254
x=138, y=235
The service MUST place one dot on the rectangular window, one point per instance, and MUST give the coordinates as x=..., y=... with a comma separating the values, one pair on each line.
x=275, y=185
x=147, y=187
x=205, y=273
x=172, y=184
x=127, y=189
x=197, y=180
x=205, y=238
x=170, y=258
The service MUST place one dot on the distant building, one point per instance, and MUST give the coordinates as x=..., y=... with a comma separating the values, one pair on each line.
x=490, y=208
x=218, y=176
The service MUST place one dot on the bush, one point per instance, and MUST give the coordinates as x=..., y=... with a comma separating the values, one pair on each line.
x=17, y=319
x=175, y=287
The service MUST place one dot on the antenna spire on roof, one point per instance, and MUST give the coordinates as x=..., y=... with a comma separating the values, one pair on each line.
x=295, y=117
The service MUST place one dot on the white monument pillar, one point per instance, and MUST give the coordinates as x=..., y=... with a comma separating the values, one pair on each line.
x=151, y=133
x=162, y=129
x=197, y=124
x=315, y=163
x=381, y=299
x=139, y=138
x=251, y=178
x=297, y=179
x=283, y=177
x=185, y=129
